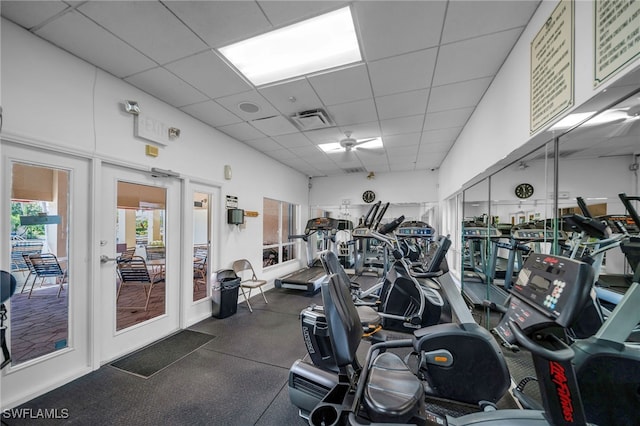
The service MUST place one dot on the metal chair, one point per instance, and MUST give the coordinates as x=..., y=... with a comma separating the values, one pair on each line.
x=32, y=271
x=134, y=271
x=243, y=268
x=46, y=265
x=200, y=266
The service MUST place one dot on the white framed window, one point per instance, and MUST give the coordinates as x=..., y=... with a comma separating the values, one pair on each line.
x=279, y=221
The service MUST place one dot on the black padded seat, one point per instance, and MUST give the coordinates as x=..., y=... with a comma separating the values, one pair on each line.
x=392, y=390
x=369, y=317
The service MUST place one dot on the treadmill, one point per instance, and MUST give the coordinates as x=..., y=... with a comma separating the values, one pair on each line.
x=475, y=286
x=310, y=278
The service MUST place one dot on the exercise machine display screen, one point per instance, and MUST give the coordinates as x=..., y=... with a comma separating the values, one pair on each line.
x=549, y=290
x=480, y=232
x=415, y=229
x=536, y=235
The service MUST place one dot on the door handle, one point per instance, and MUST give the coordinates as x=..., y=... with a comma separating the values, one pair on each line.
x=104, y=259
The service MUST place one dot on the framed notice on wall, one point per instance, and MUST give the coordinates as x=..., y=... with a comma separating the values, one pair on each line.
x=552, y=66
x=617, y=37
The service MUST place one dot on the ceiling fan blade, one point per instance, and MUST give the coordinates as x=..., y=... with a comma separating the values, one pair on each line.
x=363, y=141
x=376, y=151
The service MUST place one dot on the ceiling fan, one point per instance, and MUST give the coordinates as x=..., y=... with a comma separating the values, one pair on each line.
x=349, y=144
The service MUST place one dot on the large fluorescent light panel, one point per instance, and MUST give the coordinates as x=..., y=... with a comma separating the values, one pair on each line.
x=309, y=46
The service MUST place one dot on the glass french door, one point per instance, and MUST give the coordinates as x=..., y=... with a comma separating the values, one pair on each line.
x=140, y=270
x=45, y=210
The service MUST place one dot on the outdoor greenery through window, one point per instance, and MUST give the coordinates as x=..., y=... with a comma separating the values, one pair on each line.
x=279, y=222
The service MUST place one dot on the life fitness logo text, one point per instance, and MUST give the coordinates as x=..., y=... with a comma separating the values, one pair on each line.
x=559, y=378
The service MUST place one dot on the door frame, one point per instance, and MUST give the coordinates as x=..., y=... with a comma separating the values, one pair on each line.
x=112, y=344
x=35, y=377
x=195, y=311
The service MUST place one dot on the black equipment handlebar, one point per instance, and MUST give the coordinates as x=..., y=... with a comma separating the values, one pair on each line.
x=391, y=226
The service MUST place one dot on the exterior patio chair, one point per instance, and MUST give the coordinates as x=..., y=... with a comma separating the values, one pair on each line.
x=46, y=265
x=243, y=269
x=134, y=271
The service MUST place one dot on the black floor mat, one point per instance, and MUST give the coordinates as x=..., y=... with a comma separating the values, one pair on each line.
x=150, y=360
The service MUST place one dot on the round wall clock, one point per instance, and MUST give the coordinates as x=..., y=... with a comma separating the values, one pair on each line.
x=524, y=190
x=368, y=196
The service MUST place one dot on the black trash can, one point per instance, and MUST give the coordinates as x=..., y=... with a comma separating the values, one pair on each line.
x=224, y=293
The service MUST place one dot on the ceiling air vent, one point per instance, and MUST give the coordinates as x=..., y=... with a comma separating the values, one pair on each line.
x=312, y=119
x=355, y=170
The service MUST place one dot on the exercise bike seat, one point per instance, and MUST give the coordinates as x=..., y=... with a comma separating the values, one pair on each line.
x=392, y=390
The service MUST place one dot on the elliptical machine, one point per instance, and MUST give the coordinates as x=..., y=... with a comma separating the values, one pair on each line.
x=446, y=354
x=550, y=292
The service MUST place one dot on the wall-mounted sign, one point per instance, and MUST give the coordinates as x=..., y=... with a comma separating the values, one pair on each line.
x=232, y=202
x=149, y=128
x=40, y=220
x=617, y=36
x=552, y=66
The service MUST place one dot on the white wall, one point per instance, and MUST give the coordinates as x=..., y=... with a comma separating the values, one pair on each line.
x=53, y=99
x=500, y=123
x=398, y=187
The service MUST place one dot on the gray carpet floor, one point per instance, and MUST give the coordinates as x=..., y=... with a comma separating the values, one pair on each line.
x=238, y=378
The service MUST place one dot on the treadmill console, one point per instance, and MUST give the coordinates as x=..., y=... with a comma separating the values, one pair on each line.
x=549, y=290
x=321, y=224
x=477, y=232
x=415, y=229
x=532, y=235
x=361, y=232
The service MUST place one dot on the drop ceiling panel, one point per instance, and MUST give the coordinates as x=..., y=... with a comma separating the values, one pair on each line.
x=292, y=97
x=396, y=126
x=305, y=151
x=431, y=162
x=264, y=144
x=208, y=73
x=220, y=23
x=449, y=118
x=466, y=19
x=403, y=165
x=402, y=104
x=211, y=113
x=403, y=152
x=363, y=130
x=286, y=12
x=292, y=140
x=319, y=136
x=354, y=112
x=274, y=126
x=402, y=73
x=441, y=135
x=457, y=95
x=30, y=14
x=148, y=26
x=343, y=85
x=398, y=42
x=284, y=154
x=232, y=104
x=478, y=57
x=166, y=86
x=429, y=148
x=241, y=131
x=407, y=139
x=96, y=46
x=389, y=30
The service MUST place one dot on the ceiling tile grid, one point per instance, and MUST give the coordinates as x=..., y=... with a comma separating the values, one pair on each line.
x=426, y=65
